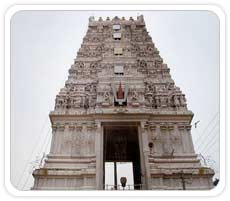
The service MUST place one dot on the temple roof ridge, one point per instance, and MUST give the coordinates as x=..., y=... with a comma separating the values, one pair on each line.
x=139, y=20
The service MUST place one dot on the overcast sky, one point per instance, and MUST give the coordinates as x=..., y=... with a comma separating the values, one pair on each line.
x=45, y=43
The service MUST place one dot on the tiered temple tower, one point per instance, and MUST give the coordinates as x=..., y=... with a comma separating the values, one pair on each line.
x=121, y=104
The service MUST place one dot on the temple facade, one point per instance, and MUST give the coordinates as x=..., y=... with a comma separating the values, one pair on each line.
x=120, y=104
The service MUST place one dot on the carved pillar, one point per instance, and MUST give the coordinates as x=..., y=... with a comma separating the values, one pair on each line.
x=188, y=131
x=186, y=138
x=181, y=129
x=158, y=140
x=172, y=138
x=90, y=139
x=64, y=142
x=167, y=139
x=99, y=155
x=75, y=148
x=83, y=137
x=53, y=141
x=176, y=137
x=153, y=138
x=145, y=150
x=67, y=141
x=166, y=144
x=58, y=138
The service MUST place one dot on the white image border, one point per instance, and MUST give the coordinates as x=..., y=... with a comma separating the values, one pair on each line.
x=213, y=8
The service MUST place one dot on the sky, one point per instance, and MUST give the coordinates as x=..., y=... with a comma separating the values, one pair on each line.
x=124, y=169
x=45, y=43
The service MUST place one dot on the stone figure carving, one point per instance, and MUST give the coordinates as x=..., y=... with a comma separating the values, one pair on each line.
x=158, y=64
x=86, y=102
x=134, y=96
x=148, y=87
x=170, y=86
x=142, y=64
x=87, y=87
x=158, y=102
x=59, y=102
x=91, y=19
x=94, y=89
x=140, y=18
x=93, y=101
x=183, y=100
x=91, y=88
x=106, y=97
x=149, y=49
x=176, y=101
x=148, y=100
x=68, y=102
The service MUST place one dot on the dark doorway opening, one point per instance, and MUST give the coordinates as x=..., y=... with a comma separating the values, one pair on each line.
x=121, y=145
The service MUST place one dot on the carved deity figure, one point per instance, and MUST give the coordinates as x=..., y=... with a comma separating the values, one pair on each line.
x=149, y=49
x=148, y=100
x=176, y=101
x=149, y=87
x=143, y=64
x=86, y=102
x=93, y=101
x=91, y=19
x=87, y=88
x=182, y=100
x=106, y=97
x=158, y=102
x=93, y=89
x=134, y=96
x=140, y=18
x=68, y=102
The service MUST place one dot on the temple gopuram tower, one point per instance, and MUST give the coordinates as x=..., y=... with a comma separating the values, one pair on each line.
x=120, y=104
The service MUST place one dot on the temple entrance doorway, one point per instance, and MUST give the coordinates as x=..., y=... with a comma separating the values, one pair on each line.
x=121, y=158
